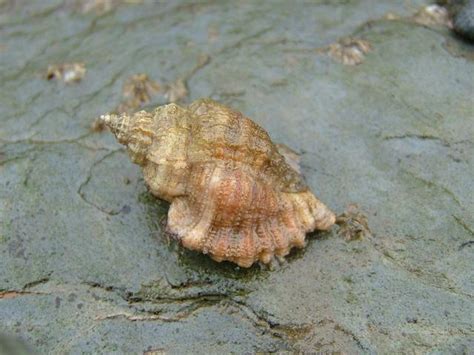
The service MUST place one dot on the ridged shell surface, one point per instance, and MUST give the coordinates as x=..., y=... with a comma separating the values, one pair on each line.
x=234, y=194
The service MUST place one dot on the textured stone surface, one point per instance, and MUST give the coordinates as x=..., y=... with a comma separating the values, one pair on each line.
x=84, y=265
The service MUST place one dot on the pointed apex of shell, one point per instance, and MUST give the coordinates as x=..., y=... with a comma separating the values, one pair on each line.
x=110, y=120
x=107, y=118
x=119, y=125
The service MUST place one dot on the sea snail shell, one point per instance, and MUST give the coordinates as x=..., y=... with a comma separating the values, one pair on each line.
x=233, y=194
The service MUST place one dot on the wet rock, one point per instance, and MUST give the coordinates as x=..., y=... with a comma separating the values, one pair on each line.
x=396, y=134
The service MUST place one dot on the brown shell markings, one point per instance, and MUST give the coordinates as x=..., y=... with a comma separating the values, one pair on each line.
x=234, y=195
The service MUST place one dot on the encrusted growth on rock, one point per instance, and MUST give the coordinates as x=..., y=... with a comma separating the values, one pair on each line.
x=349, y=51
x=68, y=72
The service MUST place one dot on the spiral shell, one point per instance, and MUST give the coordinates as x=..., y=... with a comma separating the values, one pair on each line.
x=233, y=194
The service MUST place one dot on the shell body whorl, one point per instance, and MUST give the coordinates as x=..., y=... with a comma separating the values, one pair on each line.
x=234, y=194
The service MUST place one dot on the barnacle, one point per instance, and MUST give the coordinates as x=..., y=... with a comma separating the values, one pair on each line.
x=349, y=51
x=137, y=91
x=68, y=72
x=176, y=91
x=433, y=15
x=353, y=223
x=101, y=7
x=233, y=194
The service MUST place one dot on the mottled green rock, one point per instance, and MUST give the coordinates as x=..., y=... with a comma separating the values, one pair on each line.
x=84, y=263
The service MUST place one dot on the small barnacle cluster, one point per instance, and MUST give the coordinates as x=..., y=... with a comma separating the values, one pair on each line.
x=234, y=194
x=97, y=6
x=68, y=72
x=101, y=7
x=137, y=92
x=433, y=15
x=349, y=51
x=176, y=90
x=353, y=224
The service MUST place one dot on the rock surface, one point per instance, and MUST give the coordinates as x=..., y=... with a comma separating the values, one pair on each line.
x=84, y=263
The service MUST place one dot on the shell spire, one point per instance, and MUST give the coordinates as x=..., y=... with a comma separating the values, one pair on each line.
x=133, y=131
x=118, y=125
x=234, y=194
